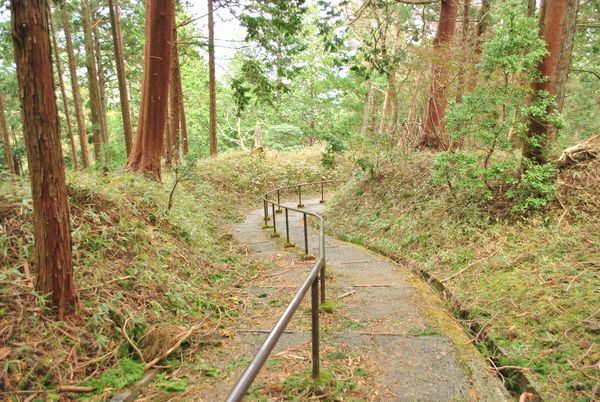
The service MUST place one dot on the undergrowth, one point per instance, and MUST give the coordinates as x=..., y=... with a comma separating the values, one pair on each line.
x=530, y=281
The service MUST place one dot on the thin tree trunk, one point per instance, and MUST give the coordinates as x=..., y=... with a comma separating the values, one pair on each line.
x=433, y=129
x=366, y=109
x=41, y=131
x=466, y=50
x=95, y=101
x=211, y=79
x=63, y=92
x=409, y=138
x=390, y=103
x=373, y=107
x=115, y=20
x=6, y=139
x=531, y=8
x=558, y=31
x=148, y=145
x=257, y=135
x=101, y=84
x=168, y=145
x=175, y=99
x=79, y=113
x=182, y=122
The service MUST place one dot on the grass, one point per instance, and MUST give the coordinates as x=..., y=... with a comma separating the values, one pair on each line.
x=531, y=283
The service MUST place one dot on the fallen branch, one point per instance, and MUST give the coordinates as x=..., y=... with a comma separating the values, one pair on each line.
x=585, y=150
x=469, y=266
x=73, y=388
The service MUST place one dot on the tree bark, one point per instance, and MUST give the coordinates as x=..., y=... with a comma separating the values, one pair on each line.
x=558, y=32
x=175, y=99
x=41, y=131
x=79, y=113
x=115, y=20
x=530, y=8
x=148, y=145
x=466, y=50
x=182, y=122
x=433, y=130
x=389, y=114
x=211, y=79
x=101, y=84
x=8, y=156
x=92, y=72
x=63, y=92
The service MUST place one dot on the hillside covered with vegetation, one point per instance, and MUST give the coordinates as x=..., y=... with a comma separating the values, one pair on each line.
x=136, y=134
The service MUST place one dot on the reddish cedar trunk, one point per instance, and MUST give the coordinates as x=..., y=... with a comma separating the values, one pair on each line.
x=148, y=146
x=51, y=225
x=79, y=114
x=175, y=99
x=63, y=93
x=8, y=156
x=101, y=84
x=167, y=141
x=122, y=78
x=558, y=31
x=433, y=130
x=184, y=135
x=92, y=81
x=211, y=80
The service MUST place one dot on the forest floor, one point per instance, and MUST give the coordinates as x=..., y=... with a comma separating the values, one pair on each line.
x=525, y=286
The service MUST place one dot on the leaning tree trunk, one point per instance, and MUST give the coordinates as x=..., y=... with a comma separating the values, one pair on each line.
x=95, y=101
x=63, y=93
x=79, y=113
x=41, y=131
x=148, y=146
x=211, y=81
x=121, y=77
x=6, y=139
x=558, y=31
x=433, y=129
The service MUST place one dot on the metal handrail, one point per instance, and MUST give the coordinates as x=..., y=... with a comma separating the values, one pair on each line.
x=316, y=272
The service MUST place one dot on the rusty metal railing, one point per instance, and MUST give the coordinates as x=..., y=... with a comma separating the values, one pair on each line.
x=315, y=278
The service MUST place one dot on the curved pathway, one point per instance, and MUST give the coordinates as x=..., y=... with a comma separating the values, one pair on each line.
x=381, y=315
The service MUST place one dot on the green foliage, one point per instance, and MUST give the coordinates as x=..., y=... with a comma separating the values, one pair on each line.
x=534, y=189
x=128, y=371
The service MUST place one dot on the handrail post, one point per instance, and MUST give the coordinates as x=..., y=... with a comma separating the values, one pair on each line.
x=305, y=236
x=266, y=209
x=278, y=201
x=300, y=205
x=274, y=225
x=287, y=228
x=316, y=369
x=322, y=194
x=322, y=274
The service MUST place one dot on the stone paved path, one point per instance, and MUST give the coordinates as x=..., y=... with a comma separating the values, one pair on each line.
x=415, y=349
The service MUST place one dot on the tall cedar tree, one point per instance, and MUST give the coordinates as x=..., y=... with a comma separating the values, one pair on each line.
x=41, y=131
x=101, y=82
x=433, y=129
x=115, y=21
x=148, y=146
x=79, y=113
x=63, y=93
x=175, y=99
x=94, y=88
x=558, y=30
x=211, y=81
x=6, y=139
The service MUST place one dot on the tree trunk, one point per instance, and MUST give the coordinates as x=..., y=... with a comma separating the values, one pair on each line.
x=373, y=118
x=63, y=93
x=148, y=145
x=530, y=8
x=257, y=135
x=390, y=104
x=366, y=109
x=211, y=80
x=175, y=99
x=6, y=139
x=101, y=84
x=167, y=136
x=79, y=113
x=182, y=122
x=433, y=130
x=558, y=31
x=115, y=21
x=466, y=50
x=41, y=131
x=92, y=73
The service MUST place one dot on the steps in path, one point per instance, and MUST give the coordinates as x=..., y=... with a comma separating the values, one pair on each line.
x=413, y=348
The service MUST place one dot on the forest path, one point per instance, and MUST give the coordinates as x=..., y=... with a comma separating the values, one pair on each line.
x=387, y=334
